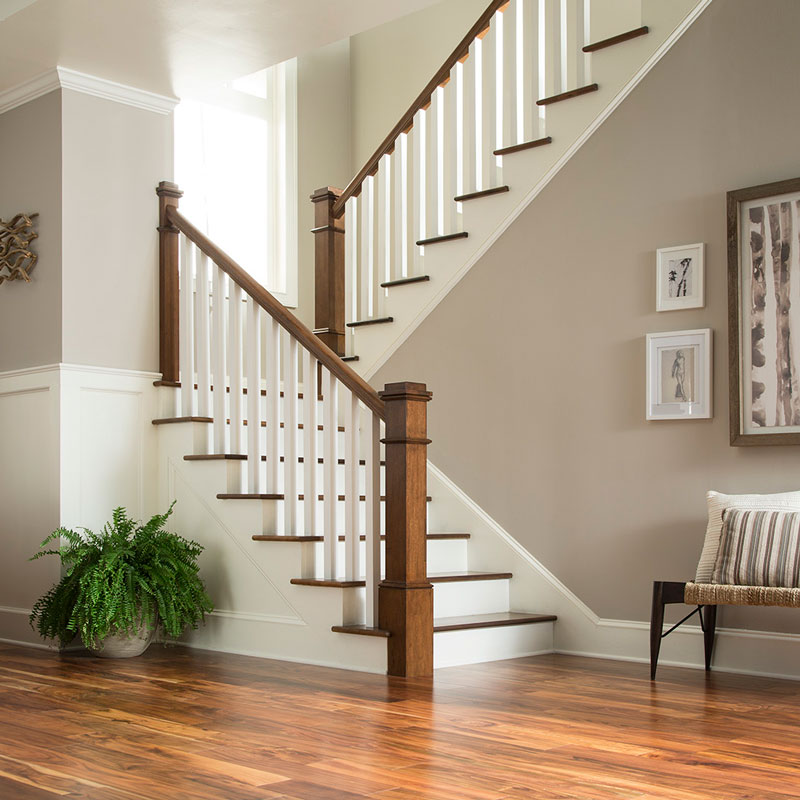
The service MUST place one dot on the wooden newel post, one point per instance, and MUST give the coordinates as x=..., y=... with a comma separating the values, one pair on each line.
x=329, y=269
x=405, y=597
x=168, y=292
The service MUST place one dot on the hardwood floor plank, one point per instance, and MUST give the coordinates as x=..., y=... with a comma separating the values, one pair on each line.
x=202, y=726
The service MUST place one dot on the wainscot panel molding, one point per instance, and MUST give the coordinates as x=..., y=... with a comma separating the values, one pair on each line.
x=63, y=78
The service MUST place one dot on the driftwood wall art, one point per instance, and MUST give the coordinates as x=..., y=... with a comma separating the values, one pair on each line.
x=17, y=260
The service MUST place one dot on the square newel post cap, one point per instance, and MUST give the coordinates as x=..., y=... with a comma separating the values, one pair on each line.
x=405, y=390
x=326, y=193
x=168, y=189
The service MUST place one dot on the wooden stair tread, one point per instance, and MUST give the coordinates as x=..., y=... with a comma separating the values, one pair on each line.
x=250, y=496
x=350, y=358
x=210, y=421
x=516, y=148
x=448, y=237
x=462, y=198
x=243, y=457
x=375, y=321
x=405, y=281
x=175, y=420
x=178, y=384
x=439, y=577
x=496, y=620
x=557, y=98
x=270, y=537
x=618, y=39
x=360, y=630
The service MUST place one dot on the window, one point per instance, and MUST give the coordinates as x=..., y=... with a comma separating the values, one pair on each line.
x=236, y=160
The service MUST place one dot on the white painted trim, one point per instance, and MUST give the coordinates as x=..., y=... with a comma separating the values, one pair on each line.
x=34, y=645
x=249, y=616
x=29, y=90
x=112, y=371
x=118, y=92
x=314, y=662
x=540, y=186
x=14, y=610
x=63, y=78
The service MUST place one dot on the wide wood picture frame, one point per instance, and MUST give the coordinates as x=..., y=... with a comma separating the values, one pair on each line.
x=764, y=314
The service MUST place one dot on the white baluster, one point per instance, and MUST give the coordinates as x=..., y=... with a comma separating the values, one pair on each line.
x=203, y=337
x=450, y=216
x=188, y=401
x=549, y=48
x=272, y=376
x=433, y=176
x=366, y=262
x=352, y=568
x=372, y=507
x=510, y=56
x=418, y=134
x=310, y=490
x=411, y=222
x=235, y=361
x=399, y=258
x=470, y=130
x=329, y=456
x=253, y=358
x=572, y=57
x=528, y=127
x=219, y=305
x=351, y=254
x=385, y=225
x=290, y=417
x=489, y=108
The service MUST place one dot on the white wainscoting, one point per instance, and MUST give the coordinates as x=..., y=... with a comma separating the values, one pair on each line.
x=77, y=441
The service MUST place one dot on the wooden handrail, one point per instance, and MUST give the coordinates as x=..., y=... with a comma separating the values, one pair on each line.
x=406, y=121
x=351, y=379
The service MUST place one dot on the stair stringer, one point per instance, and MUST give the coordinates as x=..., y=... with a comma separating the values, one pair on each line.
x=617, y=70
x=259, y=612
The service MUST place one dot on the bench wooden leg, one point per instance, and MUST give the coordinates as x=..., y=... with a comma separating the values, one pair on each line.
x=664, y=592
x=709, y=629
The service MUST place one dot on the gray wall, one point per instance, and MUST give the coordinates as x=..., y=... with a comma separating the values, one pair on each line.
x=537, y=358
x=30, y=180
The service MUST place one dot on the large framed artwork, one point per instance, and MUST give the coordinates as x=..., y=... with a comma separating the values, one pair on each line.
x=764, y=313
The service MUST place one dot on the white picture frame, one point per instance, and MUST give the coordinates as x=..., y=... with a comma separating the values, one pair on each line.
x=679, y=373
x=680, y=277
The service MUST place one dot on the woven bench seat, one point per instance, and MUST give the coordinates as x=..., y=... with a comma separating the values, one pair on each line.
x=706, y=594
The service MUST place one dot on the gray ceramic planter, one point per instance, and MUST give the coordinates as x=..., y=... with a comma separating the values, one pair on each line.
x=120, y=646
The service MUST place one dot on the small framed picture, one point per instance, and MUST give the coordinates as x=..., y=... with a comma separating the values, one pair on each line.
x=680, y=277
x=679, y=375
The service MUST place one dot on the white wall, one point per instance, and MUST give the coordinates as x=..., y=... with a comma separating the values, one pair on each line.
x=114, y=155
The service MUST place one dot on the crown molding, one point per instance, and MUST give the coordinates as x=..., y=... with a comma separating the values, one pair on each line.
x=63, y=78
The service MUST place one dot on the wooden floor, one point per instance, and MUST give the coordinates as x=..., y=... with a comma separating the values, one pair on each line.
x=185, y=724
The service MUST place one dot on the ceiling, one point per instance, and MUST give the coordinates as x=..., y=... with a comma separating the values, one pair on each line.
x=173, y=46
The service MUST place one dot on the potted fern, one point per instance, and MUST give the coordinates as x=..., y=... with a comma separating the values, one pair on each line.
x=119, y=584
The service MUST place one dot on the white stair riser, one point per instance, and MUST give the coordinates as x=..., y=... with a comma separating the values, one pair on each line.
x=458, y=598
x=473, y=646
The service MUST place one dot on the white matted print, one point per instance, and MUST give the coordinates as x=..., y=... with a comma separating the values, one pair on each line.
x=679, y=375
x=680, y=277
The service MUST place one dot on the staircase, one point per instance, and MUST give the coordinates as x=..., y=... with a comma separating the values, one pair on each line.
x=523, y=90
x=308, y=488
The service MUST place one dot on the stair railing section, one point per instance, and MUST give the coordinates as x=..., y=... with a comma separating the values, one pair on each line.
x=277, y=394
x=491, y=93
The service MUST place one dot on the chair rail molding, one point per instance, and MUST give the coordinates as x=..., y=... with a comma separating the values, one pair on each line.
x=64, y=78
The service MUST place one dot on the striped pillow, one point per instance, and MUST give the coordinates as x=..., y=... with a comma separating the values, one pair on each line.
x=759, y=548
